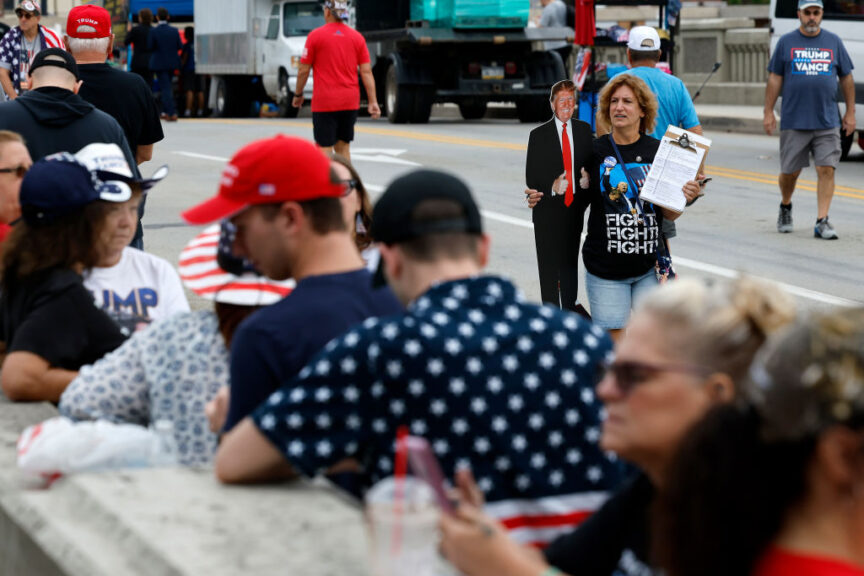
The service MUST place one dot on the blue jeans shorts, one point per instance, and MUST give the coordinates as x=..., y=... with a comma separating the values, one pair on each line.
x=612, y=300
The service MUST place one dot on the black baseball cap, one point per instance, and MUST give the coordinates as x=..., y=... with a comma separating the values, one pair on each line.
x=55, y=57
x=392, y=218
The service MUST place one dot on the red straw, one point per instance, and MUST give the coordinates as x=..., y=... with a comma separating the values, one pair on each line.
x=400, y=470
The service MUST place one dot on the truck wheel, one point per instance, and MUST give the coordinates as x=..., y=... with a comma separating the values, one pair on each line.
x=399, y=100
x=286, y=110
x=532, y=109
x=472, y=109
x=423, y=97
x=846, y=144
x=221, y=97
x=233, y=97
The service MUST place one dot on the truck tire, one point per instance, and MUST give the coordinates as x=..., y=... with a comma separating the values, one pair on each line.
x=286, y=110
x=423, y=98
x=233, y=97
x=399, y=99
x=846, y=144
x=532, y=109
x=472, y=109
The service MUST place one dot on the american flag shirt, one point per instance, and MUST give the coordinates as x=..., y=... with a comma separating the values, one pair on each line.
x=492, y=382
x=16, y=59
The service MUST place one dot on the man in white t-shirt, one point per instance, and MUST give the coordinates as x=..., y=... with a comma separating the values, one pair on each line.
x=132, y=286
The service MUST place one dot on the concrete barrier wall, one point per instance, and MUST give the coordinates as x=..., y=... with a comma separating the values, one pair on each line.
x=168, y=522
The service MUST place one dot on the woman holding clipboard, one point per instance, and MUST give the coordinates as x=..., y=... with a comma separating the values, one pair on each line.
x=620, y=250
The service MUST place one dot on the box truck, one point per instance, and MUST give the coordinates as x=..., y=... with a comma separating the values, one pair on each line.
x=252, y=50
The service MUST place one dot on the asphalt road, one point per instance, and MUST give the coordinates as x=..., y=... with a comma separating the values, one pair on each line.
x=732, y=229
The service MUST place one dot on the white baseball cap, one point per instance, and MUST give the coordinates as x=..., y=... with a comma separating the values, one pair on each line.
x=643, y=39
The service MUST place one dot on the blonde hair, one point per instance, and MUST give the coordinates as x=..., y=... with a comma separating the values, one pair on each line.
x=644, y=97
x=7, y=136
x=719, y=325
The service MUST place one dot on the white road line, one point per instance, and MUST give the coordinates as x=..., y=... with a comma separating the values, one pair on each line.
x=707, y=268
x=685, y=262
x=201, y=156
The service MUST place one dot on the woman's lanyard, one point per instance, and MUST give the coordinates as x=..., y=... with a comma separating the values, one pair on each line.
x=630, y=181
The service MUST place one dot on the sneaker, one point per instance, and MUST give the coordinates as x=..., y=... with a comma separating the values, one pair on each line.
x=824, y=230
x=784, y=219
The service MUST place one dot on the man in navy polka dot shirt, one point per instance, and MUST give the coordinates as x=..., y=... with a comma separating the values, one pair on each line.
x=493, y=383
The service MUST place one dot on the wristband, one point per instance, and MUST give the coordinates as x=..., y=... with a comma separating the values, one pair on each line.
x=551, y=571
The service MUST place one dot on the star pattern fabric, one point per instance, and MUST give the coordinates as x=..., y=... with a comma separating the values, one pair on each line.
x=492, y=382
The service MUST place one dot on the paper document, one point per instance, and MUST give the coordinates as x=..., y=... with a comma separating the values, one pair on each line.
x=678, y=160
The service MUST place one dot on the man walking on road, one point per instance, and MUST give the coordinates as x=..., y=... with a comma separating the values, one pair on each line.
x=806, y=65
x=335, y=51
x=557, y=152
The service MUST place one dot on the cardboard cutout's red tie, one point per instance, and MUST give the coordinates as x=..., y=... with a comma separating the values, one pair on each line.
x=568, y=165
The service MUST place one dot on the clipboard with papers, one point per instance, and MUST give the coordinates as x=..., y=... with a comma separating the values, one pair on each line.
x=679, y=159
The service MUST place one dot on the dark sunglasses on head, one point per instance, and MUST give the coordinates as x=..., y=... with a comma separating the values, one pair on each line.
x=628, y=375
x=350, y=186
x=19, y=171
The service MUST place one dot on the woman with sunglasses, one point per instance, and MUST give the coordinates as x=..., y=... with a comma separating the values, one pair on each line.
x=356, y=208
x=684, y=349
x=14, y=163
x=774, y=486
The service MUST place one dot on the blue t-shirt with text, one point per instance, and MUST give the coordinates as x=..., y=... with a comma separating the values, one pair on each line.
x=810, y=67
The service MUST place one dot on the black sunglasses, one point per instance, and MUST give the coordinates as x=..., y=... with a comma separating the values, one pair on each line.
x=350, y=186
x=25, y=15
x=19, y=171
x=628, y=375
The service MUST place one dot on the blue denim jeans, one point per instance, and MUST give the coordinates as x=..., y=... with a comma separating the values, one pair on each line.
x=612, y=300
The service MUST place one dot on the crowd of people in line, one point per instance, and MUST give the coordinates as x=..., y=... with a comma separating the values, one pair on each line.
x=713, y=430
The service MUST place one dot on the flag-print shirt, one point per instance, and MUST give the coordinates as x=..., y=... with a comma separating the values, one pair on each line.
x=16, y=59
x=492, y=382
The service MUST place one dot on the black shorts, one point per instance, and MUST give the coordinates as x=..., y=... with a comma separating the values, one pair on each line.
x=192, y=82
x=328, y=127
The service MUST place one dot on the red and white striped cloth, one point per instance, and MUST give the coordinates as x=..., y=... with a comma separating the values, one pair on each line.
x=52, y=39
x=539, y=521
x=201, y=273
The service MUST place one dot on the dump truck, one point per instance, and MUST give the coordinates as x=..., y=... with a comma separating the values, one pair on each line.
x=252, y=50
x=467, y=52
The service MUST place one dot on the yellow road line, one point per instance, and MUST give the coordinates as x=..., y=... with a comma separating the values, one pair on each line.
x=810, y=185
x=387, y=132
x=733, y=173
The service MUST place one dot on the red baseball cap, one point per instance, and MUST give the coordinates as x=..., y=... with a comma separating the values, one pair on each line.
x=278, y=169
x=88, y=21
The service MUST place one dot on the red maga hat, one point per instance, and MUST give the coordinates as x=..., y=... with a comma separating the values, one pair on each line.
x=88, y=21
x=270, y=171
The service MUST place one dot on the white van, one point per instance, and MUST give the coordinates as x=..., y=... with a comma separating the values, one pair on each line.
x=846, y=19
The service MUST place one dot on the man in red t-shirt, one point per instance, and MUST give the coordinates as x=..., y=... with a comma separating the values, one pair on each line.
x=14, y=162
x=335, y=51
